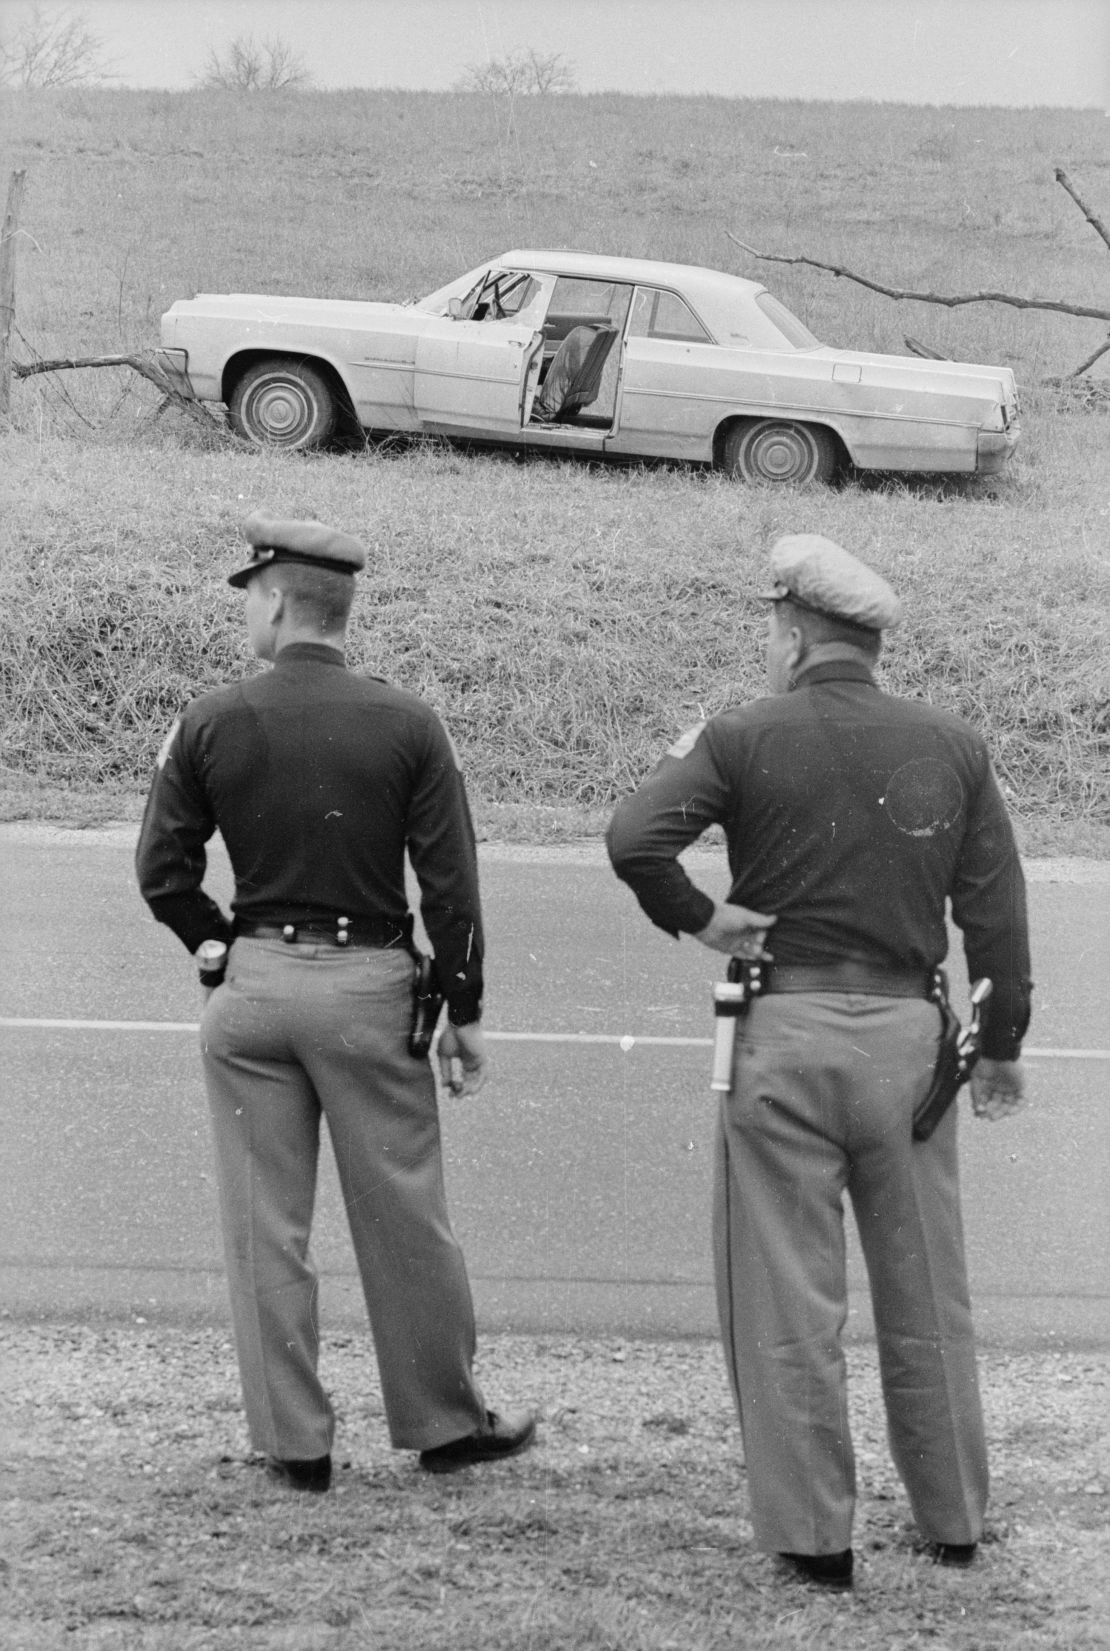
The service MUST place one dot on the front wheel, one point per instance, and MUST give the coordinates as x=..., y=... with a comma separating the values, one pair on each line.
x=773, y=450
x=284, y=404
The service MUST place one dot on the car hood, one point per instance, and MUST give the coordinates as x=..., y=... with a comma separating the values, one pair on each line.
x=258, y=305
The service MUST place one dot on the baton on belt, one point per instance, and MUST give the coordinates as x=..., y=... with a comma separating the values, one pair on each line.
x=731, y=997
x=957, y=1056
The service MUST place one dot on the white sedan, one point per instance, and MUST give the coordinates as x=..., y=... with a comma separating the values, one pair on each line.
x=587, y=354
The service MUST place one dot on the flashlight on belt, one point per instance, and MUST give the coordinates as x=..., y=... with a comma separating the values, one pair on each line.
x=211, y=961
x=731, y=997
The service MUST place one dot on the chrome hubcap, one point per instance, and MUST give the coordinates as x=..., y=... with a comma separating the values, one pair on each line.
x=781, y=455
x=280, y=411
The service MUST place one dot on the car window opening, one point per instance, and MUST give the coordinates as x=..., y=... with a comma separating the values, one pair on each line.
x=658, y=313
x=581, y=357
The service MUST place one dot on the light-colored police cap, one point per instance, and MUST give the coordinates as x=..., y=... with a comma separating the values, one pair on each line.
x=312, y=543
x=816, y=573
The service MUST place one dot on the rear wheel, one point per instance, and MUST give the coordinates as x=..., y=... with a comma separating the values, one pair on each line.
x=774, y=450
x=284, y=404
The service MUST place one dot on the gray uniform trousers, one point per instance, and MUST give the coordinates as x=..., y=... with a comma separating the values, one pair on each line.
x=824, y=1089
x=296, y=1031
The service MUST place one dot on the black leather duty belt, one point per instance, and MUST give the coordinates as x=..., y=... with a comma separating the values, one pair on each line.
x=868, y=979
x=337, y=931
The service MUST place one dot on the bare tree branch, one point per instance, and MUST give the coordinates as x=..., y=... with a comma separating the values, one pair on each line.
x=1099, y=227
x=140, y=364
x=249, y=65
x=51, y=49
x=1077, y=372
x=950, y=301
x=916, y=347
x=519, y=74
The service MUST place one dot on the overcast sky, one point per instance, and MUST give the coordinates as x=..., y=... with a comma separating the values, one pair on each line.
x=1016, y=52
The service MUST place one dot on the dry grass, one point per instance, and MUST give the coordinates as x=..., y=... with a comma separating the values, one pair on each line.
x=566, y=620
x=137, y=1520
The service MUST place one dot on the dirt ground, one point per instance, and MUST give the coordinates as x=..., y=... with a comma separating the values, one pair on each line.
x=135, y=1515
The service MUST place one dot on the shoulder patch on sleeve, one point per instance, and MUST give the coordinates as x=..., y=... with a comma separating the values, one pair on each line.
x=167, y=743
x=686, y=742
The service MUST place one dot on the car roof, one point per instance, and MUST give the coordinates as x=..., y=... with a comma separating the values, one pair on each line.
x=687, y=277
x=721, y=300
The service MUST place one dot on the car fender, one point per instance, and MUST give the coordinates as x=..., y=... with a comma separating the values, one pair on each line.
x=366, y=350
x=240, y=359
x=749, y=415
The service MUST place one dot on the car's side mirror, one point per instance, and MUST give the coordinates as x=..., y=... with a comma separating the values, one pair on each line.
x=455, y=309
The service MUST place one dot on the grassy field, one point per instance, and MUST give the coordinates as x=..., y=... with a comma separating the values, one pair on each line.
x=566, y=619
x=142, y=1525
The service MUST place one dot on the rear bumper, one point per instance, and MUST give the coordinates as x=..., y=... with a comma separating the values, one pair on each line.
x=993, y=449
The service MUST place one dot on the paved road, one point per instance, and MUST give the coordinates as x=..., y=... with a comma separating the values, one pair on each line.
x=578, y=1179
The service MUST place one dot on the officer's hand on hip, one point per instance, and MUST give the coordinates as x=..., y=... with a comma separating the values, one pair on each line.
x=462, y=1058
x=997, y=1089
x=737, y=932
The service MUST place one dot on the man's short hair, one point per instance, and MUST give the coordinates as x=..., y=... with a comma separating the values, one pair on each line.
x=822, y=627
x=316, y=595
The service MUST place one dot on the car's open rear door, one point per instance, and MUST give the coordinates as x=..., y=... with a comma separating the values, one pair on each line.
x=477, y=377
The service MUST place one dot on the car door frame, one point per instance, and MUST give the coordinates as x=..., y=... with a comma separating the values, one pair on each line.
x=583, y=438
x=650, y=363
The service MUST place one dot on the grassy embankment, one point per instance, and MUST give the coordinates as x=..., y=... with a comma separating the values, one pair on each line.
x=566, y=619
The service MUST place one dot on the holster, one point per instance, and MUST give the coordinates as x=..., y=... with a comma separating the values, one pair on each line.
x=427, y=1003
x=957, y=1056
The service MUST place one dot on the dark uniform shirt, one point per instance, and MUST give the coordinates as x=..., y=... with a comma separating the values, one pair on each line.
x=851, y=816
x=317, y=780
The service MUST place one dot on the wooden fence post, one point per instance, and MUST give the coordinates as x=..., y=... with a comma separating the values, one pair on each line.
x=7, y=287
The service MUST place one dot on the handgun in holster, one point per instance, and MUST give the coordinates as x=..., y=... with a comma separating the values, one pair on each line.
x=957, y=1055
x=427, y=1002
x=731, y=997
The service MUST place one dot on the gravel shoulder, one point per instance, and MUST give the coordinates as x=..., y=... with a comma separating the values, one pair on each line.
x=135, y=1515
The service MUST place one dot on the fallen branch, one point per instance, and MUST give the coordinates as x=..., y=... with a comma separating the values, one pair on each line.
x=1099, y=227
x=950, y=301
x=139, y=364
x=1090, y=361
x=916, y=347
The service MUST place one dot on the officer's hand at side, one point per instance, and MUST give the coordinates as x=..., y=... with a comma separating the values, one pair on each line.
x=997, y=1089
x=737, y=932
x=461, y=1052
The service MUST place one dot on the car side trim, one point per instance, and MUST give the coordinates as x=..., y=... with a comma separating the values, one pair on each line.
x=806, y=412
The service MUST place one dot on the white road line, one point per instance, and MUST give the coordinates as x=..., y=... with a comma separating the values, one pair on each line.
x=624, y=1041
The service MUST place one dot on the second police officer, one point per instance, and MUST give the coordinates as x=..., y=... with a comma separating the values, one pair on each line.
x=851, y=818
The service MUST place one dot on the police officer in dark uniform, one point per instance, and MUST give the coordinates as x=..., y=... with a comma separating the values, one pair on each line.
x=319, y=780
x=851, y=818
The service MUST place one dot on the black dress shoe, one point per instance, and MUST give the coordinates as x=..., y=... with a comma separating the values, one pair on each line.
x=958, y=1554
x=502, y=1436
x=313, y=1474
x=826, y=1570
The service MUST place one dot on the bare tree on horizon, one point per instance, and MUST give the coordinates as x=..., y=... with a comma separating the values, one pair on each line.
x=520, y=74
x=249, y=65
x=51, y=49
